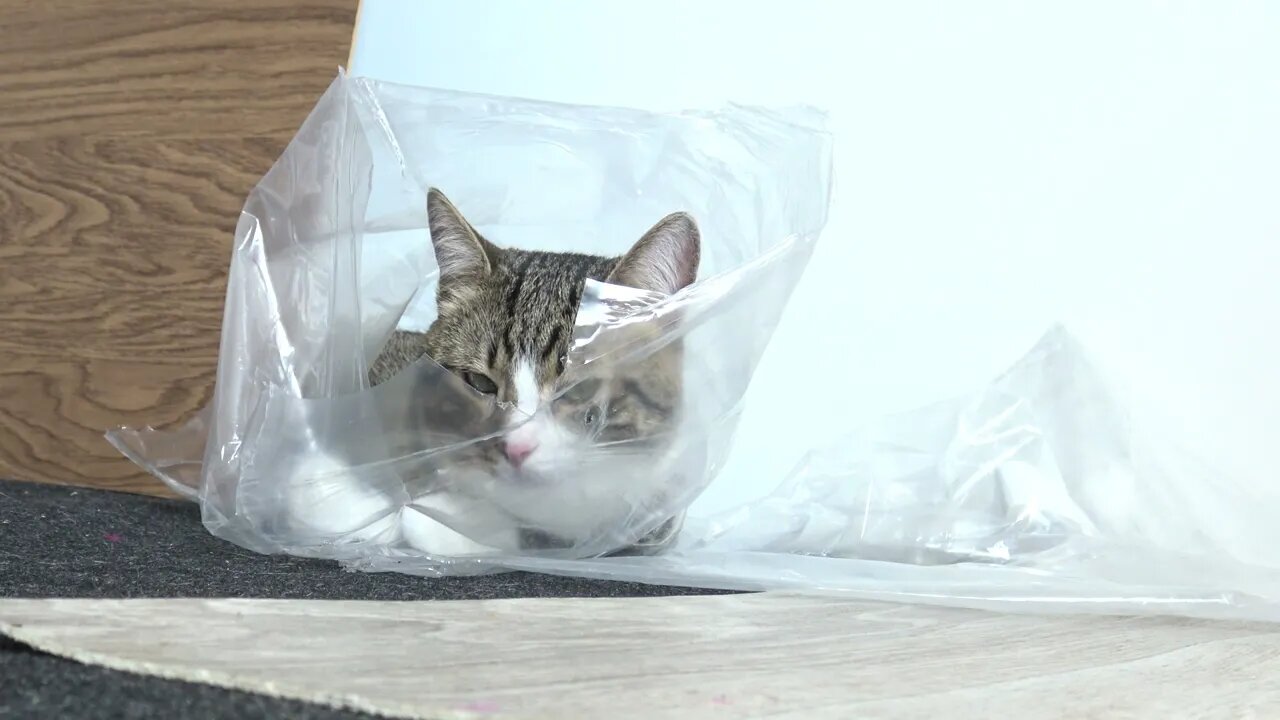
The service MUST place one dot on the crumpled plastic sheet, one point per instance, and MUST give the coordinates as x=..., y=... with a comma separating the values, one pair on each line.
x=1041, y=492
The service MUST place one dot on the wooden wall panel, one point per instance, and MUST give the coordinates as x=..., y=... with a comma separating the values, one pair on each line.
x=130, y=133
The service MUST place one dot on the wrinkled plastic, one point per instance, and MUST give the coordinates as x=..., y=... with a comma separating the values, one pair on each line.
x=1042, y=491
x=332, y=253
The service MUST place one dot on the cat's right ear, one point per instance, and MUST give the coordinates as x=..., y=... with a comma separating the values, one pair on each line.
x=460, y=251
x=665, y=260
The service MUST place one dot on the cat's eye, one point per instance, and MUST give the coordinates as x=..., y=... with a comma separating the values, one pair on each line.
x=481, y=382
x=593, y=416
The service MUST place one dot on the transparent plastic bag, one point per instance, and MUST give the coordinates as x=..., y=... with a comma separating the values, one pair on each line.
x=1044, y=491
x=333, y=252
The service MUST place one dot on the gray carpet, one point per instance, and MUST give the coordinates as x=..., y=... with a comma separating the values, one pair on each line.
x=67, y=542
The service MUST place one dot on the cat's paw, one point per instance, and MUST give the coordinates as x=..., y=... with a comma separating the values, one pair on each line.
x=428, y=535
x=323, y=499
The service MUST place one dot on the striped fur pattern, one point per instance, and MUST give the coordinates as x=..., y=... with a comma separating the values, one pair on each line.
x=504, y=323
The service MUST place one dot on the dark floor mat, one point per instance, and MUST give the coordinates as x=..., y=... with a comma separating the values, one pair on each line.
x=36, y=685
x=68, y=542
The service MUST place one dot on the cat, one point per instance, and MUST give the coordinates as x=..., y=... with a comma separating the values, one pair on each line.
x=505, y=319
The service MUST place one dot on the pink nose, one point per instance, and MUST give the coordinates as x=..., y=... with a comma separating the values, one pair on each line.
x=519, y=450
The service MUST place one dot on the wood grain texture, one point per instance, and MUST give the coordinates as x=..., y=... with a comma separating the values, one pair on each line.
x=773, y=656
x=131, y=133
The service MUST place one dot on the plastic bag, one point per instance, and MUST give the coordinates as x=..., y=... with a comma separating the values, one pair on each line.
x=1040, y=492
x=333, y=252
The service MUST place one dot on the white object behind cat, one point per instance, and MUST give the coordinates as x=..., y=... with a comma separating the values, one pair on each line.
x=1000, y=166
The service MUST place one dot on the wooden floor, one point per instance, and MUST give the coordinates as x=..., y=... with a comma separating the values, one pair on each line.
x=130, y=133
x=692, y=657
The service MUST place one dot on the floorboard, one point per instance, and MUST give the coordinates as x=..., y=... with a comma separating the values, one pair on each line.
x=738, y=656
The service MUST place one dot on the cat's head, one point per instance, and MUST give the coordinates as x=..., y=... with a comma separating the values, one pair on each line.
x=504, y=324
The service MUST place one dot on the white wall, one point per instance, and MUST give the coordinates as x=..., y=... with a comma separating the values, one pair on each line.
x=1000, y=166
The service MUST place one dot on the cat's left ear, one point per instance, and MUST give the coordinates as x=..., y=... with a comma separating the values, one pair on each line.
x=664, y=260
x=461, y=253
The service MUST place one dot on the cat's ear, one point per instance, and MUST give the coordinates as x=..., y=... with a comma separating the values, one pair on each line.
x=460, y=251
x=665, y=260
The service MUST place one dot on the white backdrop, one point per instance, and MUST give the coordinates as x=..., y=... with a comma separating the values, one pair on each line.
x=1000, y=166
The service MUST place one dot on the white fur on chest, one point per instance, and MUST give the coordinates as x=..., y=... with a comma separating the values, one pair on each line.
x=567, y=487
x=326, y=499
